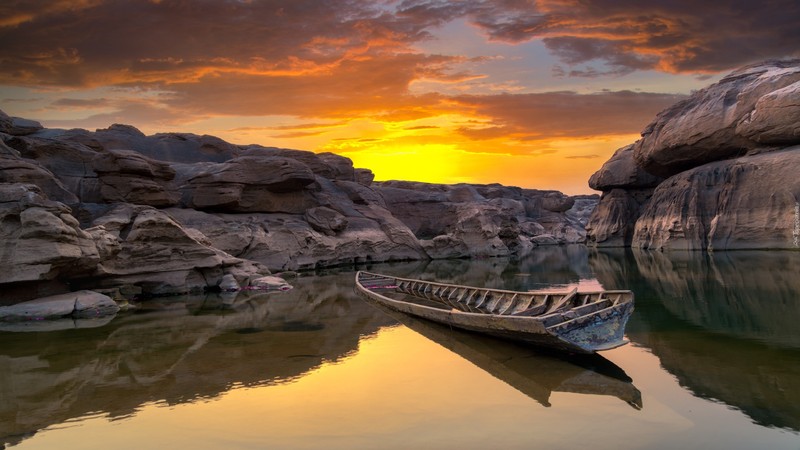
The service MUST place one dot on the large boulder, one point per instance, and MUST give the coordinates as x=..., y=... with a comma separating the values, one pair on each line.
x=326, y=220
x=775, y=120
x=252, y=184
x=41, y=240
x=80, y=304
x=715, y=171
x=173, y=147
x=621, y=171
x=747, y=109
x=748, y=202
x=70, y=162
x=17, y=126
x=626, y=189
x=129, y=176
x=326, y=165
x=14, y=169
x=145, y=247
x=341, y=222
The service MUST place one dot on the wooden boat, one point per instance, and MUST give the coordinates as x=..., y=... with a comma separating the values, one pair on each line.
x=579, y=322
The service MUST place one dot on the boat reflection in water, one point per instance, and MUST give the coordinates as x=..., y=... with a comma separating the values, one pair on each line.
x=530, y=371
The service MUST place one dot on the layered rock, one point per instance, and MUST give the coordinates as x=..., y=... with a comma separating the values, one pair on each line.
x=749, y=202
x=252, y=184
x=474, y=220
x=70, y=162
x=175, y=212
x=128, y=176
x=15, y=169
x=143, y=246
x=626, y=189
x=750, y=108
x=174, y=147
x=42, y=241
x=76, y=305
x=729, y=154
x=289, y=242
x=17, y=126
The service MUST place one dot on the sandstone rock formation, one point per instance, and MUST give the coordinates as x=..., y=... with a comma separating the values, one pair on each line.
x=128, y=176
x=729, y=157
x=492, y=220
x=748, y=202
x=724, y=120
x=131, y=214
x=18, y=126
x=42, y=242
x=143, y=246
x=252, y=184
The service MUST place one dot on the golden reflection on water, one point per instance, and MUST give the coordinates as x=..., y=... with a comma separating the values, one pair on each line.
x=318, y=368
x=401, y=390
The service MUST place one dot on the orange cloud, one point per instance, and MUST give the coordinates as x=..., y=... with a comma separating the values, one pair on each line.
x=353, y=77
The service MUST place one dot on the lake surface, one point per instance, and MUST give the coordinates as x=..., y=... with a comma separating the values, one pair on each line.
x=714, y=363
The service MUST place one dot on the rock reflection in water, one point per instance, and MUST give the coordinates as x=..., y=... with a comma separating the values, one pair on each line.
x=546, y=267
x=724, y=324
x=531, y=372
x=176, y=350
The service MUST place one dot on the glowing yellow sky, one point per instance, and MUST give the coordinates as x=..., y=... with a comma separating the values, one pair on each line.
x=534, y=94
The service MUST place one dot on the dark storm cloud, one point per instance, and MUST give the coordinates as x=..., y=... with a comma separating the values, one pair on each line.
x=672, y=36
x=90, y=43
x=94, y=42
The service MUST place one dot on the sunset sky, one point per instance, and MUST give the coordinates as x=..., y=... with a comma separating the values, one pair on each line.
x=535, y=94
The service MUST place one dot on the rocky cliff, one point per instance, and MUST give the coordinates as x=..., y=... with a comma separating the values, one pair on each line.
x=119, y=211
x=718, y=170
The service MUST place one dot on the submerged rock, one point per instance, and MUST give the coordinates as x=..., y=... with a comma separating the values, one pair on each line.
x=80, y=304
x=270, y=283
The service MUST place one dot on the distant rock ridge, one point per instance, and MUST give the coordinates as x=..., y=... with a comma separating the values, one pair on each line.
x=127, y=214
x=719, y=170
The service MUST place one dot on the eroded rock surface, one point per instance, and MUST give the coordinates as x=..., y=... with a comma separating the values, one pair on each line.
x=729, y=157
x=482, y=220
x=749, y=202
x=41, y=239
x=169, y=213
x=749, y=108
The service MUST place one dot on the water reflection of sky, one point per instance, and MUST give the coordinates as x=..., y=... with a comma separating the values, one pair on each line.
x=318, y=367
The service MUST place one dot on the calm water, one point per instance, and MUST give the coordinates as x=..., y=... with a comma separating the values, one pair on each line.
x=714, y=364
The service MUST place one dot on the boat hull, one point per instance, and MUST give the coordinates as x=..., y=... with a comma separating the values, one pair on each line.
x=603, y=330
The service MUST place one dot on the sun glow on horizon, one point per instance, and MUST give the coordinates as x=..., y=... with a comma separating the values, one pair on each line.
x=430, y=163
